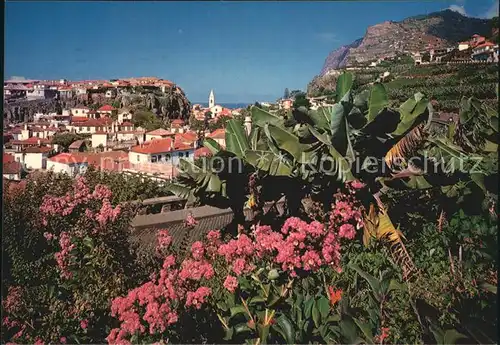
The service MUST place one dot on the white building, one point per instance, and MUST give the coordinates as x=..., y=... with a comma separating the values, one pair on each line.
x=161, y=151
x=68, y=163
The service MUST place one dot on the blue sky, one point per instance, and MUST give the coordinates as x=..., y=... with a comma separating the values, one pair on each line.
x=245, y=51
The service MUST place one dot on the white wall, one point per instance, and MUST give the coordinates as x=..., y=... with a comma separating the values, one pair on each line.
x=136, y=158
x=25, y=134
x=35, y=160
x=70, y=169
x=80, y=112
x=99, y=139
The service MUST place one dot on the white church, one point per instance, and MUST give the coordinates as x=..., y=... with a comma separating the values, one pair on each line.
x=214, y=109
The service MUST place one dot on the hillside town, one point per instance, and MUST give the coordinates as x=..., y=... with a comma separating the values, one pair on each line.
x=112, y=142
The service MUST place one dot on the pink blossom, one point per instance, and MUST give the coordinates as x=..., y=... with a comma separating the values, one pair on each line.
x=13, y=301
x=48, y=236
x=197, y=298
x=347, y=231
x=84, y=324
x=356, y=184
x=190, y=221
x=197, y=250
x=63, y=340
x=231, y=283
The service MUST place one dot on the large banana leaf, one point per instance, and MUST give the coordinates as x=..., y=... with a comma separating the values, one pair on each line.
x=343, y=168
x=261, y=117
x=236, y=139
x=287, y=141
x=269, y=162
x=203, y=178
x=338, y=128
x=321, y=117
x=212, y=145
x=405, y=146
x=344, y=84
x=377, y=102
x=410, y=111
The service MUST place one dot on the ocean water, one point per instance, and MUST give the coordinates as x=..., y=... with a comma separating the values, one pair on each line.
x=226, y=105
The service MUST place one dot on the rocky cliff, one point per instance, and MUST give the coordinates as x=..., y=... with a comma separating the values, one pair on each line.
x=386, y=39
x=171, y=104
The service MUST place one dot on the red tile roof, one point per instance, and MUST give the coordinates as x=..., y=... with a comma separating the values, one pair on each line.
x=79, y=119
x=126, y=123
x=485, y=44
x=95, y=123
x=11, y=168
x=160, y=132
x=218, y=134
x=43, y=149
x=201, y=152
x=68, y=158
x=106, y=107
x=159, y=146
x=188, y=137
x=8, y=158
x=31, y=141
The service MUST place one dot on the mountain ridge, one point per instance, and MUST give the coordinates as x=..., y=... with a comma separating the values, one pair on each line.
x=386, y=39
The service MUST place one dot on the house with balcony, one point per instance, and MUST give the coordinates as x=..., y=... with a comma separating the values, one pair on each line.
x=93, y=126
x=107, y=111
x=161, y=151
x=486, y=51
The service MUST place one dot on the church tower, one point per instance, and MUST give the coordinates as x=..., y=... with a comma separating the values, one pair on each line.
x=211, y=99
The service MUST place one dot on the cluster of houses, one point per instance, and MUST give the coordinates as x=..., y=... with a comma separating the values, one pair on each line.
x=112, y=142
x=48, y=89
x=476, y=49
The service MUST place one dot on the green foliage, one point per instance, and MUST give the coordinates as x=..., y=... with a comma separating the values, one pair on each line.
x=301, y=101
x=64, y=140
x=146, y=119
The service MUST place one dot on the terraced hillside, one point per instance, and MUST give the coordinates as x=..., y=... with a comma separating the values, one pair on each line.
x=446, y=83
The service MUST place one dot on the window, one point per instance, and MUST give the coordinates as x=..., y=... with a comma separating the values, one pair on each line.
x=154, y=159
x=88, y=129
x=138, y=158
x=187, y=154
x=181, y=154
x=167, y=157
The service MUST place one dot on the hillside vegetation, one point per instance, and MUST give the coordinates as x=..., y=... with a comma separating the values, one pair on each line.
x=446, y=83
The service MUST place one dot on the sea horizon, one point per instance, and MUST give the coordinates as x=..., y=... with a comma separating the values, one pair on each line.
x=226, y=105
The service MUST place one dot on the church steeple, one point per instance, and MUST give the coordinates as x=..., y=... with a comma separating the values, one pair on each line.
x=211, y=99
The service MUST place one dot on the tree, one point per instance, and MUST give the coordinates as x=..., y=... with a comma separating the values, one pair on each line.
x=195, y=124
x=294, y=93
x=301, y=101
x=146, y=119
x=66, y=139
x=287, y=94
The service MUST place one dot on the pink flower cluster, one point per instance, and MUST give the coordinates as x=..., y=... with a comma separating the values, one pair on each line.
x=190, y=221
x=63, y=256
x=13, y=301
x=157, y=300
x=298, y=246
x=347, y=211
x=80, y=196
x=79, y=199
x=163, y=241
